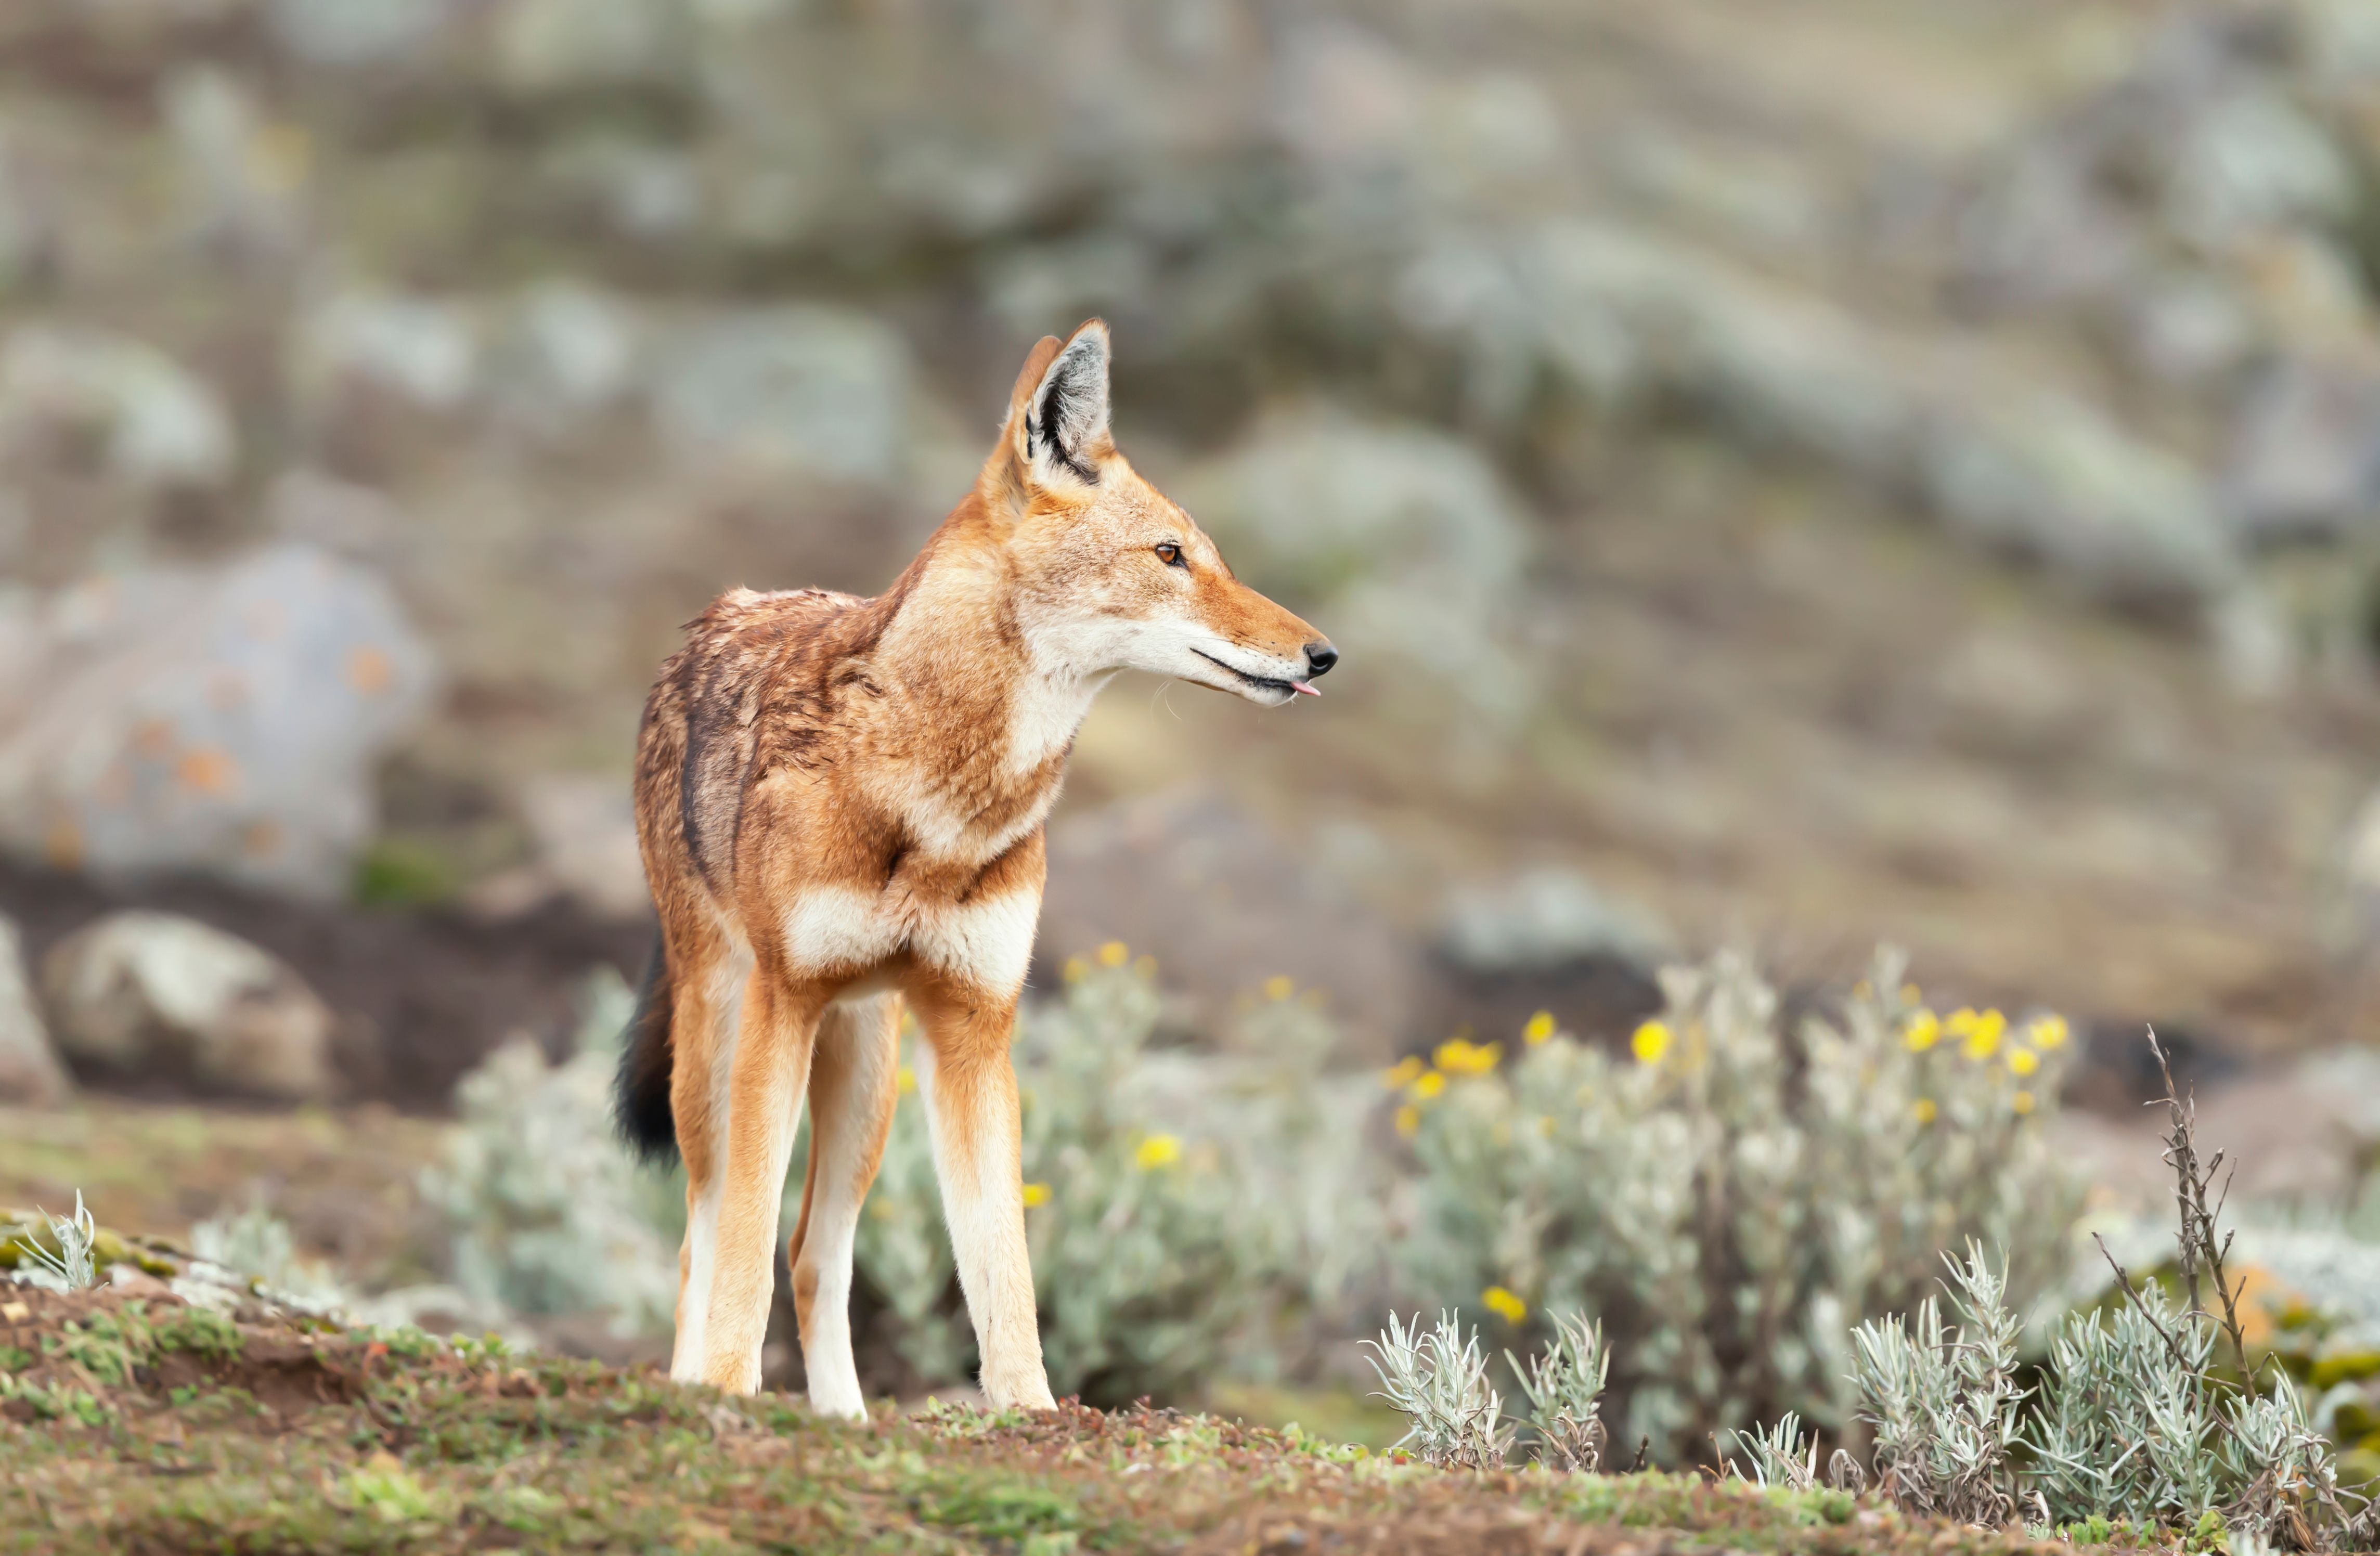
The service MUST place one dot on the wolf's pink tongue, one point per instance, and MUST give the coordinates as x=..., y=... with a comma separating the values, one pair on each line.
x=1306, y=687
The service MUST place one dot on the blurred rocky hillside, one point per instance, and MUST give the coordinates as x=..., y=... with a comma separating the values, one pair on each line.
x=1785, y=474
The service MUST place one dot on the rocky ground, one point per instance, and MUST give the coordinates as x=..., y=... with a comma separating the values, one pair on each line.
x=138, y=1423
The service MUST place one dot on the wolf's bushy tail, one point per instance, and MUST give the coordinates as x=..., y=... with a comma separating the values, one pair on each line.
x=640, y=1098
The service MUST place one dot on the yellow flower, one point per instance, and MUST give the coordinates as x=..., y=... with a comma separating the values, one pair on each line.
x=905, y=1080
x=1077, y=970
x=1546, y=1124
x=1278, y=987
x=1402, y=1072
x=1979, y=1032
x=2023, y=1061
x=1461, y=1056
x=1540, y=1027
x=2049, y=1031
x=1036, y=1195
x=1926, y=1112
x=1408, y=1120
x=1651, y=1041
x=1504, y=1305
x=1924, y=1029
x=2021, y=1102
x=1428, y=1084
x=1114, y=954
x=1157, y=1151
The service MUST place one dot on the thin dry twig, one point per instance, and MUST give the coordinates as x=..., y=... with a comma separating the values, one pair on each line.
x=2202, y=1250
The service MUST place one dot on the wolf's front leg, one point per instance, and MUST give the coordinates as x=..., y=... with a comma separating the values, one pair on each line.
x=971, y=1094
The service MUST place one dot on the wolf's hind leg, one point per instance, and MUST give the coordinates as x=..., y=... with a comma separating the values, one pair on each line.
x=707, y=973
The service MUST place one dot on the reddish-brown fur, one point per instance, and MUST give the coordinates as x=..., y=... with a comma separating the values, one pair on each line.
x=840, y=805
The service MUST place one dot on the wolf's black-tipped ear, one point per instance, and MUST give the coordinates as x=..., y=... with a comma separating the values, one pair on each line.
x=1066, y=420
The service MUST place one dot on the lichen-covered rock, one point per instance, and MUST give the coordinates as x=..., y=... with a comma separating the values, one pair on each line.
x=1543, y=919
x=30, y=1071
x=153, y=994
x=227, y=720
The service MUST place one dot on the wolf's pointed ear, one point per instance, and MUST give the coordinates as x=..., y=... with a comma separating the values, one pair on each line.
x=1062, y=418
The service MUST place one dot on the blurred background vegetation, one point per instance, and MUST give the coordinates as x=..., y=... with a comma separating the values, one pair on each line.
x=1784, y=478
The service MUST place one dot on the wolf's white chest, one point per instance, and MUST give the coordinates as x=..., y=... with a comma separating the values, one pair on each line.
x=849, y=931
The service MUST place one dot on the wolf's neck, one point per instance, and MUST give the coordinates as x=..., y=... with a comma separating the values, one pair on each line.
x=990, y=705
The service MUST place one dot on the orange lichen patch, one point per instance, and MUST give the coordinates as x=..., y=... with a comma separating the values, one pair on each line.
x=260, y=840
x=154, y=737
x=370, y=670
x=208, y=770
x=63, y=845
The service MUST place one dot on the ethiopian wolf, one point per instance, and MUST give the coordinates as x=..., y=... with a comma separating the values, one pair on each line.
x=839, y=803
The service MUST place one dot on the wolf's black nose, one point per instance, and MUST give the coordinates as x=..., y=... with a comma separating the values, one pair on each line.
x=1320, y=658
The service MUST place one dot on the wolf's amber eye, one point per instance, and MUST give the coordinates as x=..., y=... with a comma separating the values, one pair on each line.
x=1171, y=554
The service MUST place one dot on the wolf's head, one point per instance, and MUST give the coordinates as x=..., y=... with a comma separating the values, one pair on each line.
x=1109, y=573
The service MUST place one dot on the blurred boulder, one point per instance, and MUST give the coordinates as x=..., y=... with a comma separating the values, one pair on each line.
x=152, y=422
x=240, y=175
x=355, y=33
x=1410, y=535
x=1543, y=919
x=584, y=829
x=1224, y=902
x=2306, y=459
x=30, y=1071
x=154, y=996
x=823, y=391
x=551, y=47
x=2247, y=160
x=1622, y=316
x=224, y=721
x=565, y=352
x=2051, y=477
x=26, y=234
x=422, y=351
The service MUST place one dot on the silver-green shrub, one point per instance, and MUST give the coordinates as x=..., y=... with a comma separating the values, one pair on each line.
x=1943, y=1400
x=2134, y=1422
x=1563, y=1384
x=1729, y=1201
x=1438, y=1379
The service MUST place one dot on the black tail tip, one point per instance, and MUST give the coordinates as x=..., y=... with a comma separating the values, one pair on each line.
x=640, y=1104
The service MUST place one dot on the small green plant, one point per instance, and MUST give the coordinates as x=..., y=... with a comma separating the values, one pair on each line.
x=1438, y=1379
x=1782, y=1456
x=69, y=1265
x=1563, y=1384
x=387, y=1491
